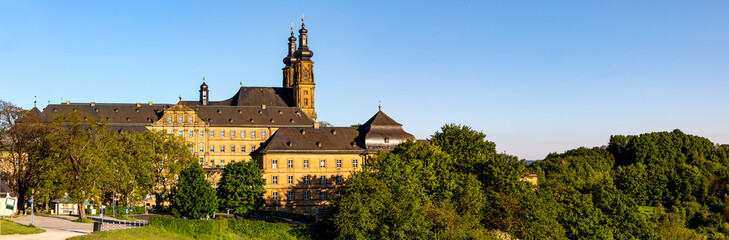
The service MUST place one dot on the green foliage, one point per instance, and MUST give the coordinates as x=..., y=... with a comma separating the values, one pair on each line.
x=241, y=187
x=10, y=227
x=194, y=197
x=443, y=189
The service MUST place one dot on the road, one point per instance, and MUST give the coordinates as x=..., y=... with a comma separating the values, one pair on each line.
x=56, y=226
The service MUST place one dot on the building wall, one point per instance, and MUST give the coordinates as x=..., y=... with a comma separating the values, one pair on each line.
x=229, y=143
x=277, y=191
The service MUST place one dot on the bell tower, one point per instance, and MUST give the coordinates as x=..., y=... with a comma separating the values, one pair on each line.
x=303, y=80
x=289, y=60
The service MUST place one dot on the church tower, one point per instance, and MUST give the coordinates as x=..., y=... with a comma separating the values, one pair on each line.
x=303, y=81
x=289, y=60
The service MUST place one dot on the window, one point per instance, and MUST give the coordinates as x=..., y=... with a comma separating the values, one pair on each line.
x=253, y=148
x=202, y=133
x=232, y=133
x=323, y=163
x=274, y=195
x=169, y=119
x=202, y=161
x=306, y=196
x=274, y=163
x=222, y=133
x=192, y=149
x=274, y=180
x=189, y=119
x=323, y=195
x=291, y=196
x=191, y=133
x=355, y=164
x=179, y=133
x=339, y=179
x=212, y=148
x=306, y=163
x=179, y=119
x=212, y=162
x=339, y=163
x=242, y=149
x=212, y=133
x=169, y=131
x=306, y=102
x=232, y=148
x=222, y=148
x=202, y=148
x=323, y=180
x=291, y=179
x=306, y=179
x=222, y=162
x=291, y=163
x=253, y=134
x=242, y=133
x=263, y=134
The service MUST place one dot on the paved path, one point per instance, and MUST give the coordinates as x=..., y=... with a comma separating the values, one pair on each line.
x=56, y=226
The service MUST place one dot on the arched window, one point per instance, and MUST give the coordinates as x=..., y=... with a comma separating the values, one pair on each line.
x=306, y=102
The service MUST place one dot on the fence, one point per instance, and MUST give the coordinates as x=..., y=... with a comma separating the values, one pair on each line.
x=114, y=225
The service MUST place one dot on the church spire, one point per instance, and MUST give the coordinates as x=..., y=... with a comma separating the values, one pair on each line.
x=288, y=70
x=303, y=80
x=303, y=53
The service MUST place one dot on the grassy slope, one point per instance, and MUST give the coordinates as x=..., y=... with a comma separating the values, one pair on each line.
x=9, y=227
x=134, y=233
x=236, y=229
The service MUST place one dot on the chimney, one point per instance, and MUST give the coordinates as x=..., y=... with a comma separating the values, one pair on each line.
x=139, y=104
x=263, y=106
x=150, y=103
x=93, y=104
x=316, y=125
x=68, y=102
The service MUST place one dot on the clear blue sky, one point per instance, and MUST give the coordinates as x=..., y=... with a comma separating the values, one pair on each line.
x=535, y=76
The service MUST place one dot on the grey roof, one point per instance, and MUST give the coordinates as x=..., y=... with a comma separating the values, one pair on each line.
x=135, y=118
x=380, y=133
x=313, y=140
x=4, y=188
x=255, y=96
x=253, y=116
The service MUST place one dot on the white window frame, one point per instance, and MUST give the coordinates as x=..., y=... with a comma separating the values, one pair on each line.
x=291, y=180
x=291, y=163
x=323, y=163
x=306, y=163
x=274, y=164
x=339, y=163
x=274, y=180
x=323, y=180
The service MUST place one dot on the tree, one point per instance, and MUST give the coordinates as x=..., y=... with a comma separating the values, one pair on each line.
x=193, y=197
x=324, y=124
x=241, y=187
x=81, y=145
x=26, y=157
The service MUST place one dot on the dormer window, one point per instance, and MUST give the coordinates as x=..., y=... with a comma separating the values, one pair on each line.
x=116, y=110
x=179, y=119
x=387, y=140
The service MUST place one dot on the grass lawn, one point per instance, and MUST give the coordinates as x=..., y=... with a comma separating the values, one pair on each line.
x=175, y=228
x=10, y=227
x=148, y=232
